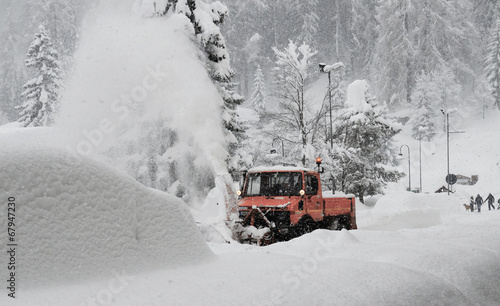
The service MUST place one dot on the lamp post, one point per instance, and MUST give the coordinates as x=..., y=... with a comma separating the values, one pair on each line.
x=446, y=114
x=420, y=162
x=324, y=68
x=409, y=161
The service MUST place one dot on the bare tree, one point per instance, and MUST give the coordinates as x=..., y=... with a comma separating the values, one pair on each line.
x=296, y=120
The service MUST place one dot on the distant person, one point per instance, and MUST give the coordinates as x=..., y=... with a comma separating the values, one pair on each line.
x=472, y=203
x=479, y=202
x=490, y=200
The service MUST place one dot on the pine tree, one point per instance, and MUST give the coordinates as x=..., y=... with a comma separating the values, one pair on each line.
x=310, y=22
x=493, y=58
x=442, y=32
x=365, y=152
x=206, y=19
x=448, y=86
x=61, y=23
x=258, y=99
x=425, y=99
x=11, y=75
x=42, y=92
x=3, y=118
x=61, y=20
x=364, y=35
x=394, y=52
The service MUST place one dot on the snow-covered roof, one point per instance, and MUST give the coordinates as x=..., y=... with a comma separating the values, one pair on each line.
x=278, y=168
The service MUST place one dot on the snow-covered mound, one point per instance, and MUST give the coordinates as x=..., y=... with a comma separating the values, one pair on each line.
x=78, y=219
x=408, y=210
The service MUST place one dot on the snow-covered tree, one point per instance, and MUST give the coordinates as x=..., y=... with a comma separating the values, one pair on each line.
x=11, y=76
x=61, y=19
x=442, y=34
x=425, y=99
x=42, y=92
x=493, y=58
x=206, y=19
x=365, y=153
x=482, y=98
x=295, y=118
x=484, y=11
x=394, y=51
x=419, y=36
x=433, y=91
x=3, y=118
x=258, y=99
x=364, y=37
x=158, y=159
x=310, y=22
x=448, y=86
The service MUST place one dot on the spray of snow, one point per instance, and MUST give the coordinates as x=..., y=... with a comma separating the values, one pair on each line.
x=130, y=70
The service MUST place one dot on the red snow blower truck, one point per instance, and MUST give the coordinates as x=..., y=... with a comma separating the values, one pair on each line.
x=279, y=203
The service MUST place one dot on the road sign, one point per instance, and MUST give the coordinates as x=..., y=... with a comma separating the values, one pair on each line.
x=451, y=179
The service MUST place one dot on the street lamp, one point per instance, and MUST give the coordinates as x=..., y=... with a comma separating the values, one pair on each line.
x=324, y=68
x=409, y=169
x=420, y=161
x=446, y=114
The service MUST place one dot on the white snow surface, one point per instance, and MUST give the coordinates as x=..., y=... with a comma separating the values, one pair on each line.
x=79, y=220
x=88, y=235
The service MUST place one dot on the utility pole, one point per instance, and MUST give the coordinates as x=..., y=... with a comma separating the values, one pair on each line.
x=448, y=147
x=420, y=162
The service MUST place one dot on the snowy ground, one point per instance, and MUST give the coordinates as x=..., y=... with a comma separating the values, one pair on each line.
x=86, y=246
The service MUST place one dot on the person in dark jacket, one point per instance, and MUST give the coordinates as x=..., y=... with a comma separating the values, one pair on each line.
x=479, y=202
x=490, y=200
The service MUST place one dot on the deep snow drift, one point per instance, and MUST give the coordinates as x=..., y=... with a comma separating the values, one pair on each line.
x=77, y=219
x=88, y=235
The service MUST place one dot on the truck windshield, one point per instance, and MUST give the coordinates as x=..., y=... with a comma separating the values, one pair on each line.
x=273, y=184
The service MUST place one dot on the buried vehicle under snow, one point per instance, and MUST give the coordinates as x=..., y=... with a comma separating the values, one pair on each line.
x=279, y=203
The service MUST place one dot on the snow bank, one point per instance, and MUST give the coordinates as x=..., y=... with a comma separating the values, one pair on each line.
x=77, y=219
x=408, y=210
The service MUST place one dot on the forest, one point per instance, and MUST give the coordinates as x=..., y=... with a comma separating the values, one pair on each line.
x=415, y=57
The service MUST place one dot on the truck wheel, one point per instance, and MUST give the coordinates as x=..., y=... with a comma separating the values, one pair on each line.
x=333, y=224
x=344, y=222
x=306, y=225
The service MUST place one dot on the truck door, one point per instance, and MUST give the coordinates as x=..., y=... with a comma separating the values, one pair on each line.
x=313, y=204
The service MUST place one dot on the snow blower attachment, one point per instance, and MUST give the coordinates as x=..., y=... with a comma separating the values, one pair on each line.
x=280, y=203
